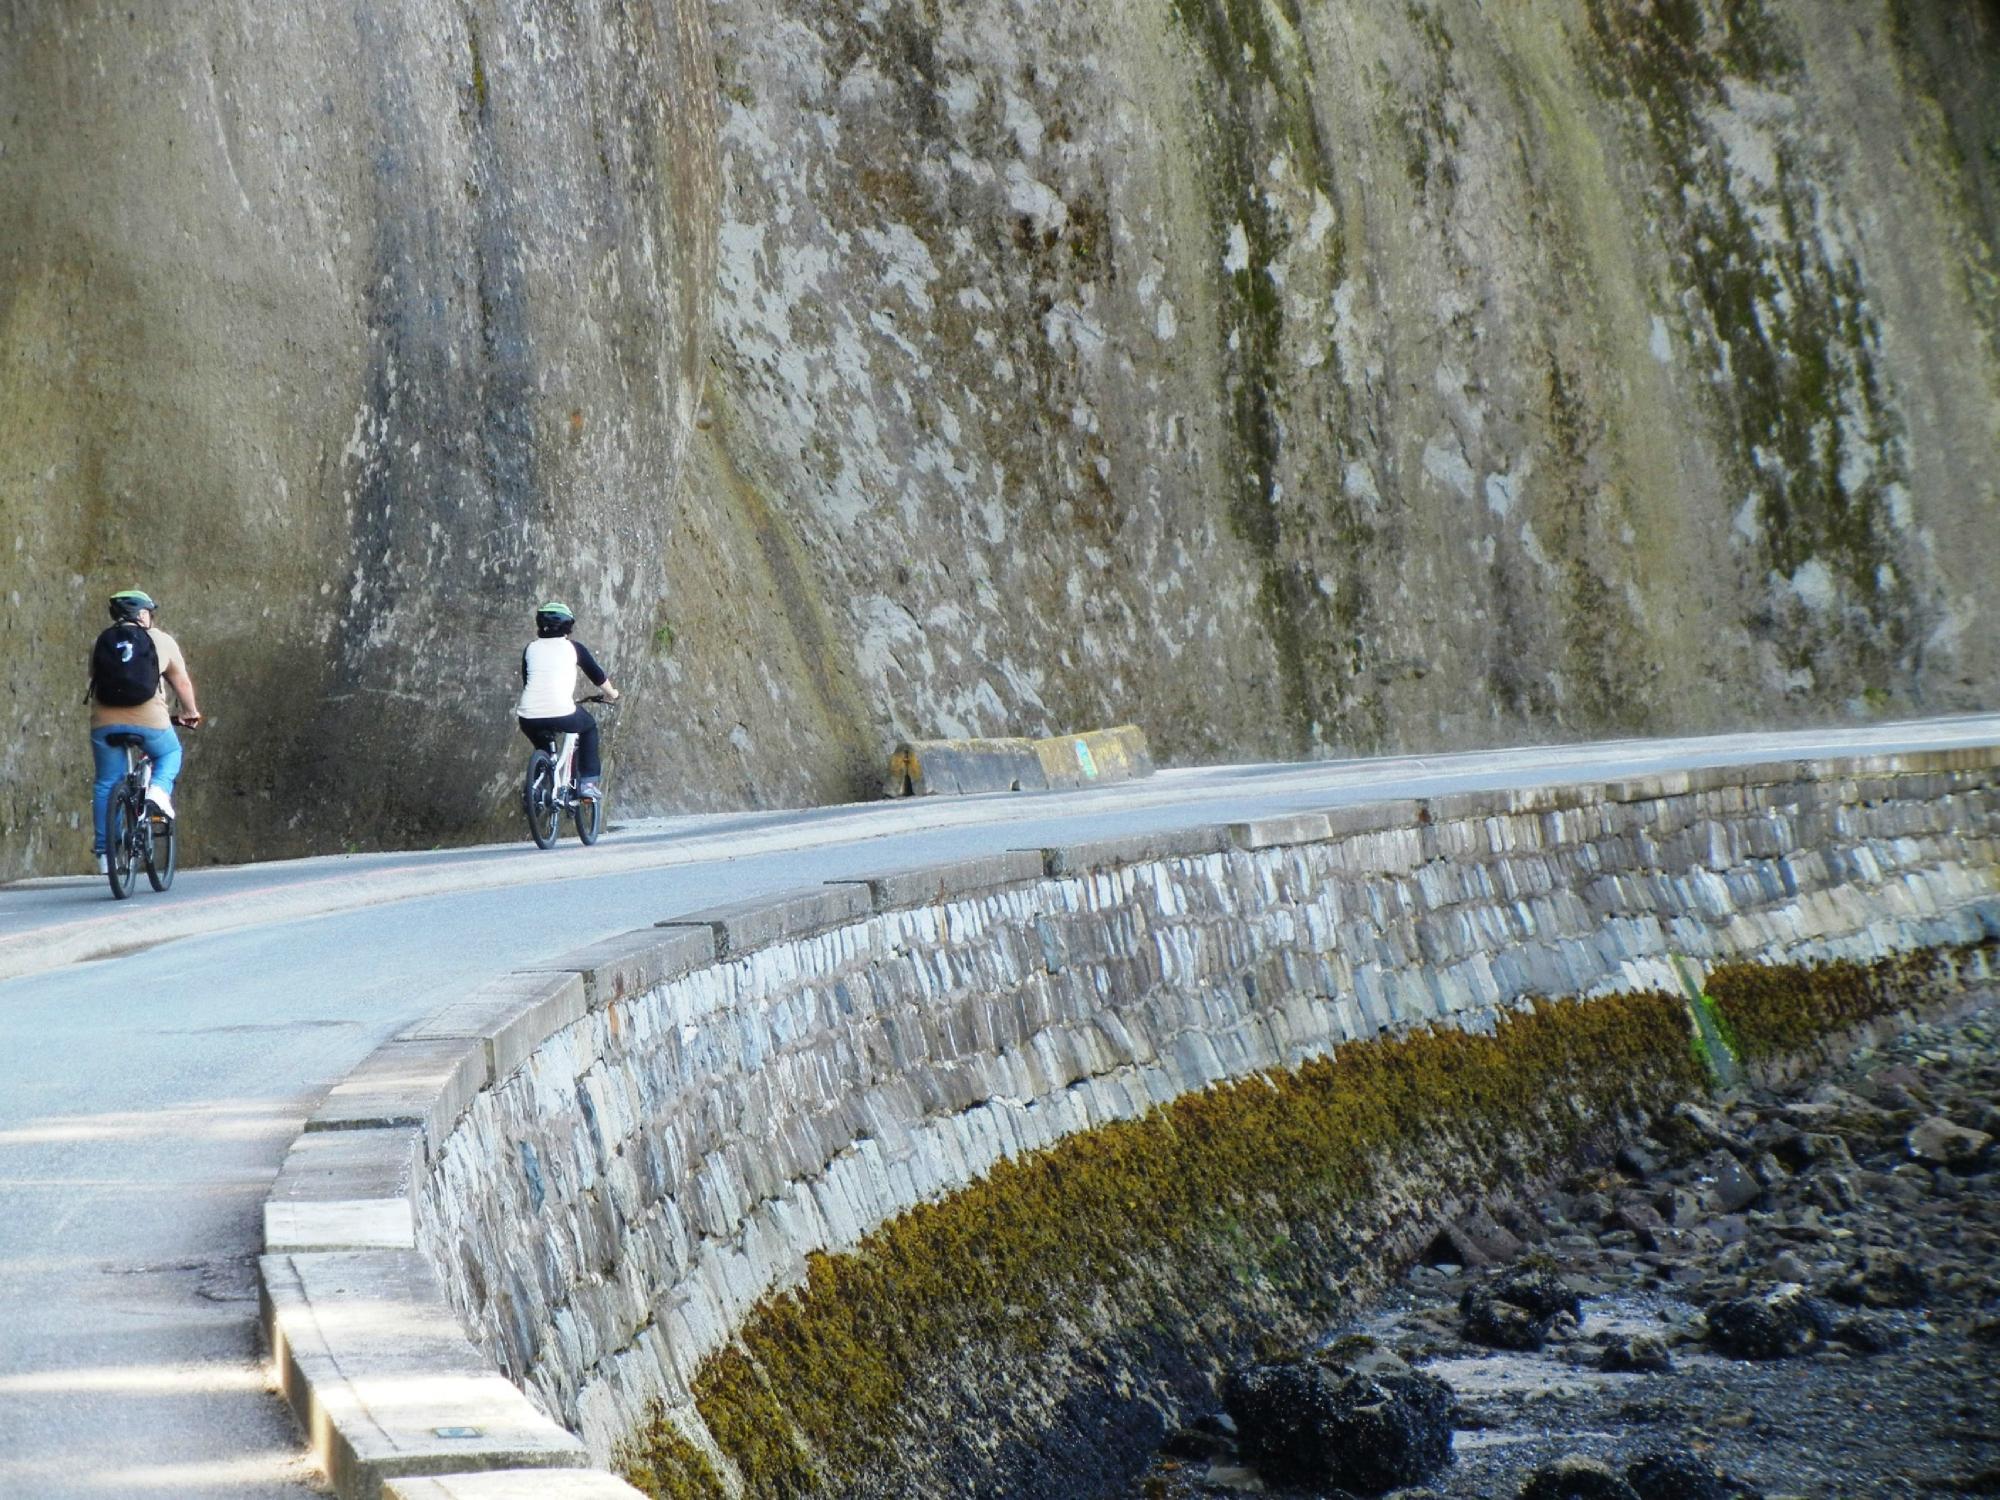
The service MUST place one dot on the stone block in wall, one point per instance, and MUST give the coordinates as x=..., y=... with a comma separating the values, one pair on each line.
x=745, y=926
x=632, y=962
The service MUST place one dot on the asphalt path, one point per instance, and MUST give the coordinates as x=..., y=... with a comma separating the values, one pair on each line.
x=157, y=1056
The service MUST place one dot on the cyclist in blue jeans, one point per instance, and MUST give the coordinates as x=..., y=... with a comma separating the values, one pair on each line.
x=131, y=667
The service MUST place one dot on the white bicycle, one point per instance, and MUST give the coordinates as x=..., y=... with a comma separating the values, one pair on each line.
x=551, y=790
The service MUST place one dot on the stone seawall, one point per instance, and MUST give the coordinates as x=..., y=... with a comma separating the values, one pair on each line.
x=607, y=1216
x=612, y=1164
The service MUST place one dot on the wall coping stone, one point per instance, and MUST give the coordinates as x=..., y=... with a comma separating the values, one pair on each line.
x=384, y=1379
x=1139, y=848
x=633, y=962
x=901, y=889
x=514, y=1484
x=744, y=925
x=347, y=1190
x=510, y=1017
x=1272, y=833
x=427, y=1083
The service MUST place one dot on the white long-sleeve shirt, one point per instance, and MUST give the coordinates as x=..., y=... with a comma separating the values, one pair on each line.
x=548, y=677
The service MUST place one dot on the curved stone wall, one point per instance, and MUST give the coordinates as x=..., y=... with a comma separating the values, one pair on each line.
x=608, y=1164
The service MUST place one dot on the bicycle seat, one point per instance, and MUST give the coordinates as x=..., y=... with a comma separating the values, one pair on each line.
x=122, y=740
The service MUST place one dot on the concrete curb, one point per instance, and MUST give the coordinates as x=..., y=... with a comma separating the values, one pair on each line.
x=929, y=768
x=394, y=1397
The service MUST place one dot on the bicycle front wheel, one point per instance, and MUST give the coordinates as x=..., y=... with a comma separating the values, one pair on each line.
x=538, y=800
x=589, y=815
x=160, y=853
x=120, y=829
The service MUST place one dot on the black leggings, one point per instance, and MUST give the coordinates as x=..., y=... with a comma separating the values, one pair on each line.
x=544, y=732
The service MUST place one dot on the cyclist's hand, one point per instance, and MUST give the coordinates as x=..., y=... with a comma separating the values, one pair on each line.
x=610, y=693
x=188, y=721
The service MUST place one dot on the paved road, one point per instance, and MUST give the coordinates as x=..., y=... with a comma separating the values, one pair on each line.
x=157, y=1057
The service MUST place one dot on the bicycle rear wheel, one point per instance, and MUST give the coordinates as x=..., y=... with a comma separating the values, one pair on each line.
x=538, y=800
x=120, y=864
x=589, y=815
x=160, y=853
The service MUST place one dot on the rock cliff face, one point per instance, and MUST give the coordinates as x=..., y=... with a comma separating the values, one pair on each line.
x=1285, y=375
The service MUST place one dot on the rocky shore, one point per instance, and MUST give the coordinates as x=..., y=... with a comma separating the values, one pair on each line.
x=1790, y=1292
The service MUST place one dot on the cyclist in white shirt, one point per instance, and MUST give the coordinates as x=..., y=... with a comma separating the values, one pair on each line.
x=548, y=705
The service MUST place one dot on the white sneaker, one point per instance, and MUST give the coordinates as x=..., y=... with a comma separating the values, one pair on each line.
x=160, y=800
x=103, y=865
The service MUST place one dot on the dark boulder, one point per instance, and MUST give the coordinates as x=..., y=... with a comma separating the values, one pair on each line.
x=1516, y=1309
x=1641, y=1354
x=1883, y=1278
x=1728, y=1184
x=1678, y=1475
x=1502, y=1325
x=1941, y=1143
x=1323, y=1426
x=1866, y=1335
x=1576, y=1479
x=1774, y=1325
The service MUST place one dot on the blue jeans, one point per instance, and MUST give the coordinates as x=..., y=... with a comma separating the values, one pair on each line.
x=163, y=745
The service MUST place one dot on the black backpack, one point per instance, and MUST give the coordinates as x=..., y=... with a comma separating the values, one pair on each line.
x=124, y=666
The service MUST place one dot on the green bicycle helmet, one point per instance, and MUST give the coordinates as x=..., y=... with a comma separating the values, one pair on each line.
x=126, y=604
x=554, y=618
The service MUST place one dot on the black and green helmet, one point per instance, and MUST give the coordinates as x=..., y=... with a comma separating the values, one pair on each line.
x=126, y=604
x=554, y=618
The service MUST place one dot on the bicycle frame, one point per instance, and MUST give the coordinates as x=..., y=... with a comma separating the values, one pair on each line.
x=565, y=759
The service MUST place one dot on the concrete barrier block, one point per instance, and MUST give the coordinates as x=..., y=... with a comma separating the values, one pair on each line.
x=633, y=962
x=744, y=925
x=511, y=1016
x=930, y=768
x=899, y=890
x=513, y=1484
x=1271, y=833
x=1140, y=848
x=346, y=1190
x=1098, y=757
x=427, y=1084
x=385, y=1382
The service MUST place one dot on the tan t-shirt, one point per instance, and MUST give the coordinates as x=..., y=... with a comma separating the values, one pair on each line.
x=153, y=713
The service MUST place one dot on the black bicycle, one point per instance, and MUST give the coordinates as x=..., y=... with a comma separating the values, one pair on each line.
x=136, y=833
x=551, y=789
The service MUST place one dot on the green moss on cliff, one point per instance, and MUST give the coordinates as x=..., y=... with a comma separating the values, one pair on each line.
x=1264, y=107
x=1227, y=1216
x=1790, y=341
